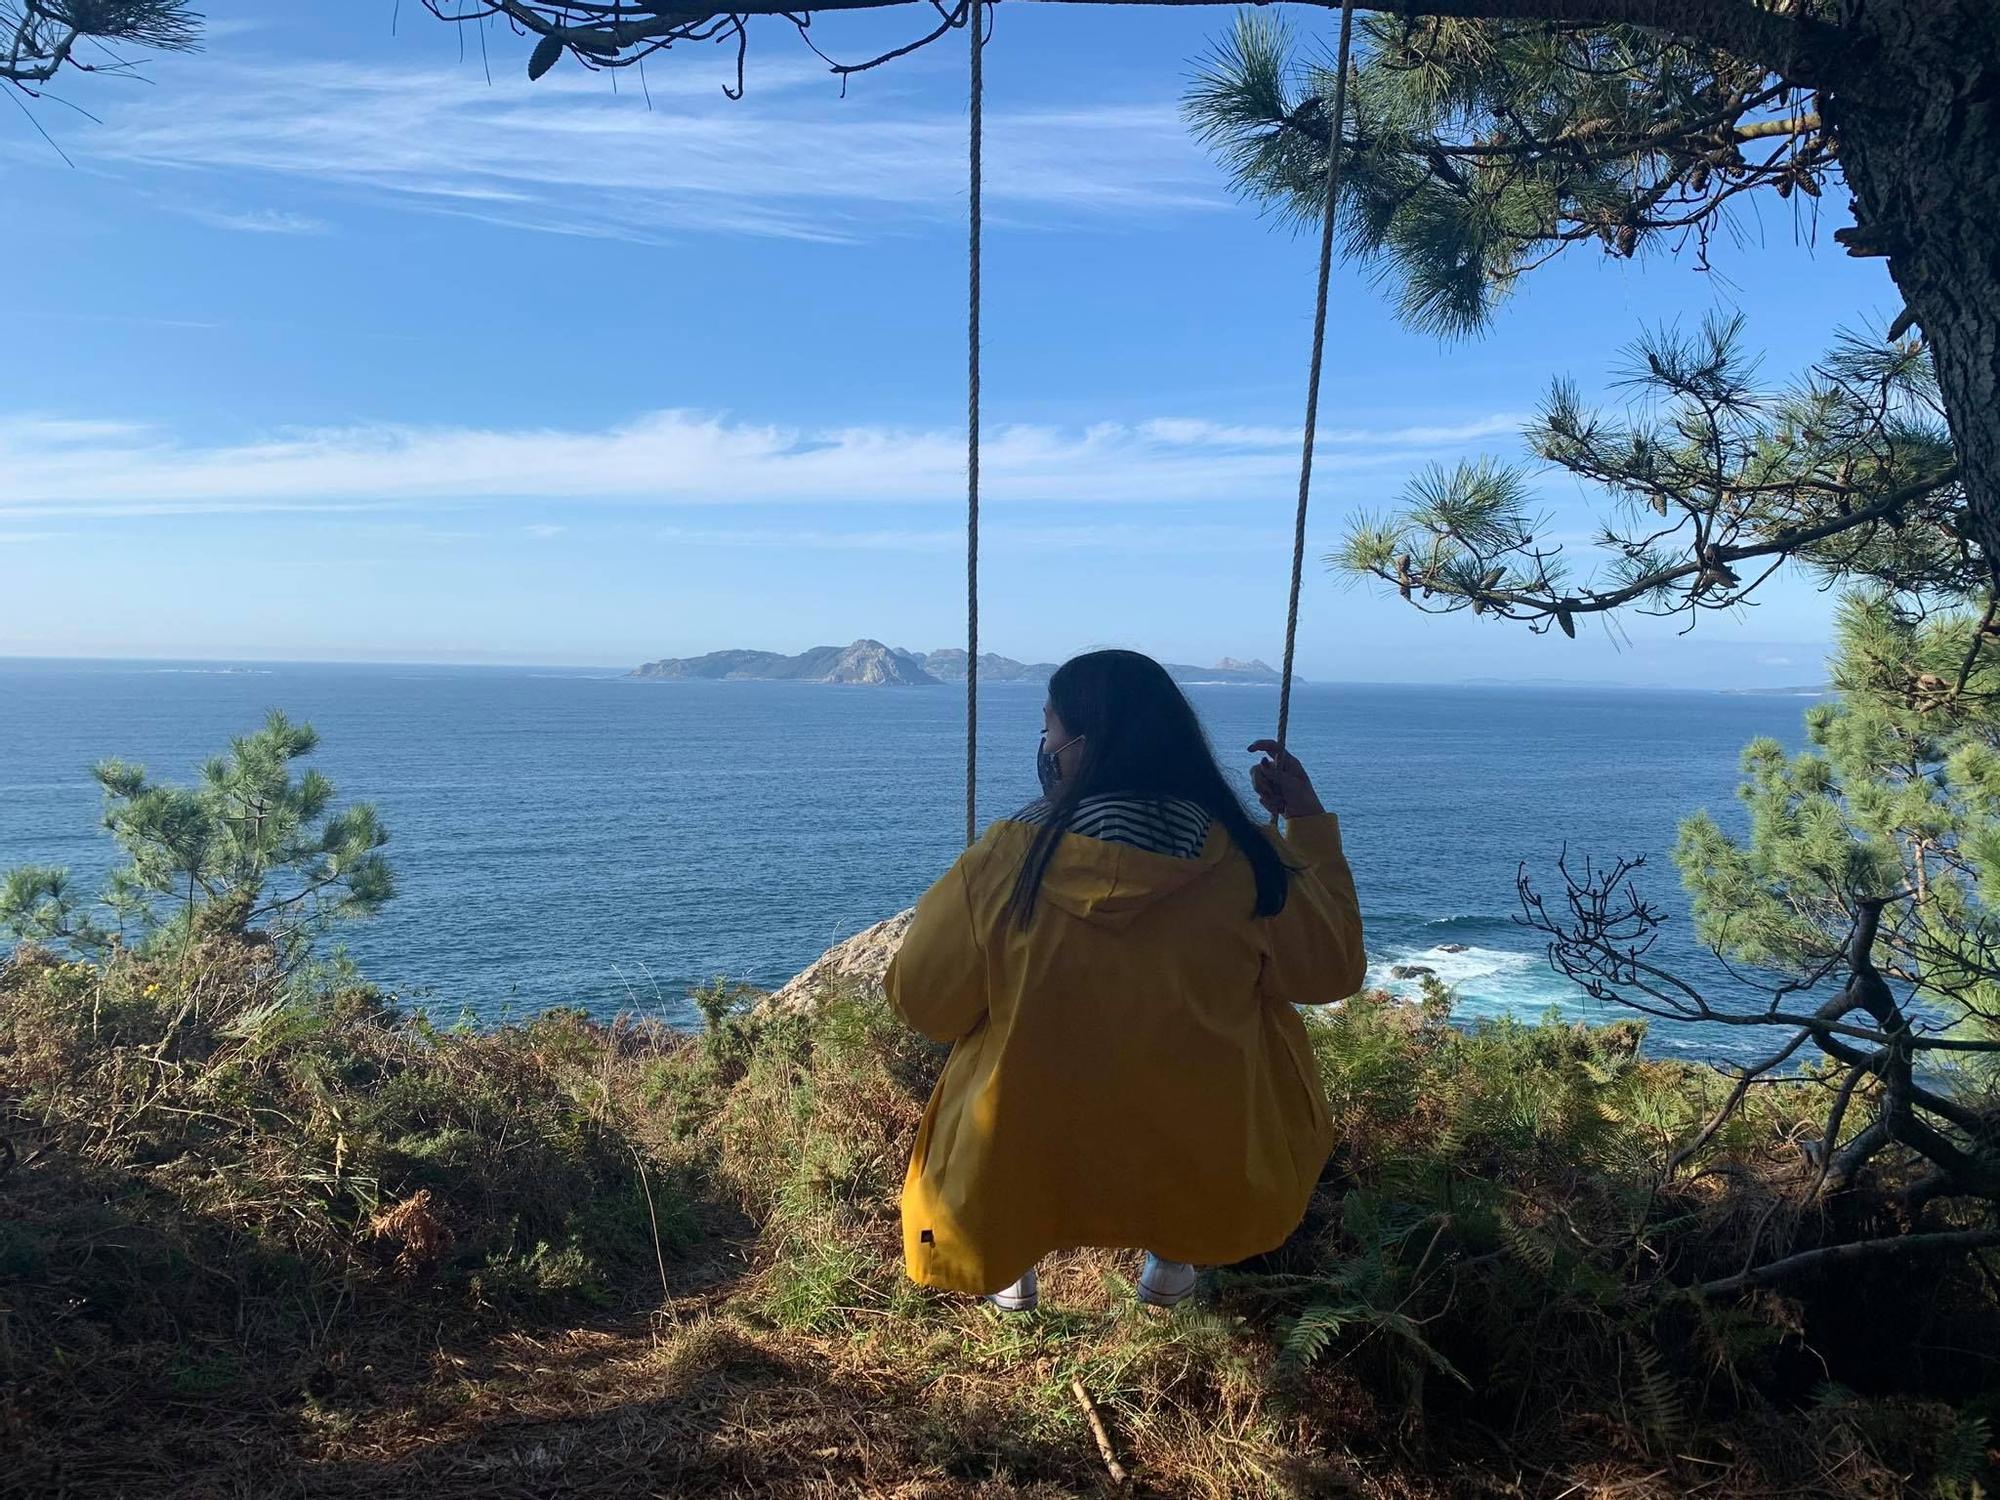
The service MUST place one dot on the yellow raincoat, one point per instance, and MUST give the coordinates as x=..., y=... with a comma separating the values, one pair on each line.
x=1128, y=1070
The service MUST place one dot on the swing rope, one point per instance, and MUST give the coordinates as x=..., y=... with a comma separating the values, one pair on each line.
x=1318, y=355
x=974, y=26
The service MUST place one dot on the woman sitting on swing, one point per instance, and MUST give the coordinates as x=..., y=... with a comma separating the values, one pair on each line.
x=1117, y=966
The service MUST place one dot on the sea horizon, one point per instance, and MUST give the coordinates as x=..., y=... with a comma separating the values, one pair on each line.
x=612, y=669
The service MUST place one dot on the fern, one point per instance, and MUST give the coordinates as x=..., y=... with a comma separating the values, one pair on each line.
x=1410, y=1338
x=1530, y=1246
x=1654, y=1393
x=1310, y=1335
x=1962, y=1468
x=1313, y=1330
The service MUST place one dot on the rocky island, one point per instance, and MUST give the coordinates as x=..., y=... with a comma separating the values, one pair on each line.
x=869, y=663
x=865, y=663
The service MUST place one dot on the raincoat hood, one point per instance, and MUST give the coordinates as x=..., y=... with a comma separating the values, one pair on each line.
x=1109, y=884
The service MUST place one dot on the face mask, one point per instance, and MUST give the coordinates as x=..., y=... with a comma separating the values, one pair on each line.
x=1047, y=768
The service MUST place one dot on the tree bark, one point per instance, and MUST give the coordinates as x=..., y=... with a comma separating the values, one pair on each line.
x=1916, y=114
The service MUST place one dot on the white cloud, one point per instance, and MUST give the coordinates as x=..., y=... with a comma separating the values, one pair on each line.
x=671, y=457
x=254, y=220
x=1180, y=538
x=566, y=154
x=543, y=533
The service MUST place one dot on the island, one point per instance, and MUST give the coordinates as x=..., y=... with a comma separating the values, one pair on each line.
x=869, y=663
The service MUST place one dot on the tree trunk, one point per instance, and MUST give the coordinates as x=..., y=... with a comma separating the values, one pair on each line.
x=1916, y=112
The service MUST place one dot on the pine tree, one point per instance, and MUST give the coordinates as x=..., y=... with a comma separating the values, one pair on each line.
x=250, y=851
x=1868, y=891
x=1477, y=151
x=1875, y=855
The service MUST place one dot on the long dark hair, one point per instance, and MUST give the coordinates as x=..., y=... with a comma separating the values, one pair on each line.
x=1140, y=739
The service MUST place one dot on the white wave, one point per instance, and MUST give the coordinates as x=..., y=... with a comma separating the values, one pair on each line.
x=1489, y=982
x=1463, y=967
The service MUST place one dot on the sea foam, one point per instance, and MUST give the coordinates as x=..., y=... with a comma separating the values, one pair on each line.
x=1486, y=981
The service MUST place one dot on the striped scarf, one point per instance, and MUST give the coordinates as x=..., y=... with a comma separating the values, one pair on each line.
x=1171, y=825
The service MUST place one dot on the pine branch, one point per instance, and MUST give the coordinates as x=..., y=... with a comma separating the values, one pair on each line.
x=42, y=35
x=1782, y=544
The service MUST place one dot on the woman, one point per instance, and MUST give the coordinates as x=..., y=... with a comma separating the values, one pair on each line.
x=1116, y=967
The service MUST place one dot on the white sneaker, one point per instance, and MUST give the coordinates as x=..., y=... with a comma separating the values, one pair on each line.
x=1165, y=1283
x=1023, y=1296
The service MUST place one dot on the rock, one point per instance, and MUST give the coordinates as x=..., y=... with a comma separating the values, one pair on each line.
x=872, y=664
x=1411, y=971
x=856, y=965
x=1454, y=947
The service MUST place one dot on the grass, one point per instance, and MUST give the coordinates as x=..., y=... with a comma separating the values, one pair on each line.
x=265, y=1238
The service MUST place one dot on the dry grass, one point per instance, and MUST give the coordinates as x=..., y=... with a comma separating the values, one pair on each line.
x=272, y=1241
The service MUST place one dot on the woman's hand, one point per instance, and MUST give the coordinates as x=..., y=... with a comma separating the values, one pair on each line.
x=1281, y=783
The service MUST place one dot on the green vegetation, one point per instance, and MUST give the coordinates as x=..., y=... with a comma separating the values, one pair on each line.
x=1891, y=817
x=1865, y=893
x=251, y=851
x=267, y=1232
x=266, y=1228
x=1487, y=138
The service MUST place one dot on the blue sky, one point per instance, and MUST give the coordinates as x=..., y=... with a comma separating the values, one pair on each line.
x=327, y=346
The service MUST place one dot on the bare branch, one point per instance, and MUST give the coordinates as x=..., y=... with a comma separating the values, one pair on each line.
x=1603, y=940
x=1949, y=1242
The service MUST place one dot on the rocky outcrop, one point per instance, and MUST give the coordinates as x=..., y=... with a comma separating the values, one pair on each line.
x=856, y=965
x=866, y=663
x=872, y=664
x=948, y=665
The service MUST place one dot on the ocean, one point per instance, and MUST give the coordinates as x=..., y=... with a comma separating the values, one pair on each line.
x=574, y=837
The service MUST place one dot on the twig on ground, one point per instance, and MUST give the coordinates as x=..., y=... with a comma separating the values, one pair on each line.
x=1119, y=1478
